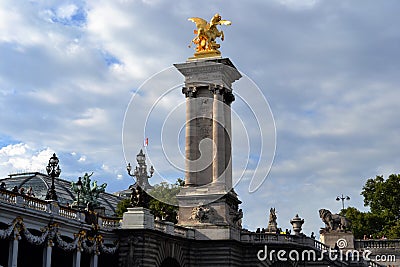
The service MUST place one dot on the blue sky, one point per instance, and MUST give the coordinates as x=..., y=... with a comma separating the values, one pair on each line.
x=328, y=69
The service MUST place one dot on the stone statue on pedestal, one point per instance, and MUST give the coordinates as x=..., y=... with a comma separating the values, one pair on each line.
x=206, y=34
x=272, y=224
x=333, y=222
x=139, y=197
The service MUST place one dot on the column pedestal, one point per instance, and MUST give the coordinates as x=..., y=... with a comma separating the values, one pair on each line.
x=137, y=218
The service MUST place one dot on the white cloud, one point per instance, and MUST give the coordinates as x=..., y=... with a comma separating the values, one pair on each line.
x=91, y=117
x=299, y=3
x=22, y=157
x=332, y=88
x=67, y=11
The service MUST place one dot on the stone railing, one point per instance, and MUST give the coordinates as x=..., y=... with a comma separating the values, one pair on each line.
x=378, y=243
x=172, y=229
x=109, y=222
x=69, y=213
x=52, y=207
x=33, y=203
x=253, y=237
x=8, y=197
x=247, y=236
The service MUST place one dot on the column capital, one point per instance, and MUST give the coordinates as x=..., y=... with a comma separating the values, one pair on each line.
x=229, y=98
x=189, y=91
x=216, y=89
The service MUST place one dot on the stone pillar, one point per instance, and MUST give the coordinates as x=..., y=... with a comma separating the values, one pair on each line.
x=47, y=254
x=77, y=258
x=210, y=112
x=94, y=260
x=228, y=99
x=218, y=137
x=13, y=252
x=190, y=149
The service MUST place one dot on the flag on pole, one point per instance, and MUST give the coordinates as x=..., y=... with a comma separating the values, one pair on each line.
x=146, y=142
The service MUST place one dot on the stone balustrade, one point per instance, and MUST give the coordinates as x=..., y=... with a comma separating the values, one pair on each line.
x=105, y=222
x=252, y=237
x=109, y=222
x=36, y=204
x=8, y=197
x=377, y=243
x=33, y=203
x=68, y=213
x=172, y=229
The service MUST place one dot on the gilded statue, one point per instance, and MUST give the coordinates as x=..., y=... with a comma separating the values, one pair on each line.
x=207, y=33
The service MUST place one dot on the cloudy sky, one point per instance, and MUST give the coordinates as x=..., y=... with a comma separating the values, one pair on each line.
x=328, y=69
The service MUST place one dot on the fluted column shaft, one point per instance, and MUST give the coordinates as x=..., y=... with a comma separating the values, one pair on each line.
x=218, y=137
x=190, y=149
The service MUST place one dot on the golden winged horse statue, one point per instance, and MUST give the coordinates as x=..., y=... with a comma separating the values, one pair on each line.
x=206, y=34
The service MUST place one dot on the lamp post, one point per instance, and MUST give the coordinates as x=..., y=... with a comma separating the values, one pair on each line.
x=343, y=199
x=140, y=171
x=54, y=171
x=79, y=186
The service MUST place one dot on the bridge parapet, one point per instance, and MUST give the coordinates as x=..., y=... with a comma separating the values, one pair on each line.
x=378, y=243
x=172, y=229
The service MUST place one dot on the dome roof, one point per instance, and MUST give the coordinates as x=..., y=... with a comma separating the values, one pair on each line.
x=40, y=183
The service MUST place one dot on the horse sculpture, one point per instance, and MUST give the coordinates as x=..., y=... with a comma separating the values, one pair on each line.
x=207, y=33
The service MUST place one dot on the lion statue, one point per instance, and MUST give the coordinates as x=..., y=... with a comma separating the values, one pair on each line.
x=334, y=222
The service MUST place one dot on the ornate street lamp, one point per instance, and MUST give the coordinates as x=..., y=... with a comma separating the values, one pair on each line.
x=54, y=171
x=79, y=187
x=140, y=171
x=343, y=199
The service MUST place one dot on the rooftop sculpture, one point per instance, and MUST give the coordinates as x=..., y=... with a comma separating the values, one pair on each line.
x=206, y=34
x=89, y=193
x=272, y=224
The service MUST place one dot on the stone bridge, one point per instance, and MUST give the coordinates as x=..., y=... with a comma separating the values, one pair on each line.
x=35, y=232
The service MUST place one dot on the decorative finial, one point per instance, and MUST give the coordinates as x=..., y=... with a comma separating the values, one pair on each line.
x=206, y=33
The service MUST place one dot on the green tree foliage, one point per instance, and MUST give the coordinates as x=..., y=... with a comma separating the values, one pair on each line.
x=122, y=207
x=383, y=198
x=163, y=204
x=363, y=223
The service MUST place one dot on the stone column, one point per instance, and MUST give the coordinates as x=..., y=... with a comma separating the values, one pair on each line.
x=47, y=254
x=13, y=252
x=218, y=136
x=94, y=260
x=77, y=258
x=228, y=99
x=190, y=149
